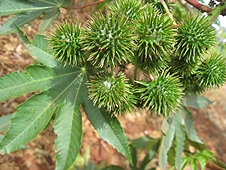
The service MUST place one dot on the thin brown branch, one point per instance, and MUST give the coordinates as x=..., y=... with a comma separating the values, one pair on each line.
x=84, y=6
x=199, y=6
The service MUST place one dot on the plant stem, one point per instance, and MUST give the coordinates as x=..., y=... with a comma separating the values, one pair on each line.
x=216, y=12
x=199, y=6
x=167, y=11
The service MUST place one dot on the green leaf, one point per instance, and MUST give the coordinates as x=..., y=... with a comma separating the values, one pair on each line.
x=186, y=160
x=30, y=119
x=20, y=19
x=150, y=155
x=32, y=79
x=68, y=122
x=180, y=137
x=108, y=128
x=4, y=122
x=1, y=137
x=29, y=10
x=66, y=91
x=196, y=101
x=171, y=155
x=38, y=49
x=66, y=3
x=197, y=145
x=165, y=125
x=189, y=124
x=166, y=144
x=68, y=127
x=133, y=152
x=48, y=19
x=41, y=42
x=194, y=165
x=141, y=142
x=15, y=6
x=202, y=161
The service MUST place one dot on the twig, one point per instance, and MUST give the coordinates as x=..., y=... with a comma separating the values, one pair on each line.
x=84, y=6
x=199, y=6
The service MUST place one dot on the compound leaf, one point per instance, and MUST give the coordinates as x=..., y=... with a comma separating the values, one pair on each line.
x=166, y=144
x=108, y=128
x=66, y=91
x=32, y=79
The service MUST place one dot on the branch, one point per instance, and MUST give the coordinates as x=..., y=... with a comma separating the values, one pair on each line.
x=199, y=6
x=216, y=12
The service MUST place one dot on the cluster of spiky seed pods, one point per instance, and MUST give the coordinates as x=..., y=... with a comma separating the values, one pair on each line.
x=174, y=59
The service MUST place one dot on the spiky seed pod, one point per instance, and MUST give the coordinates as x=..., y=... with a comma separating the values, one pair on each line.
x=66, y=43
x=130, y=9
x=155, y=40
x=212, y=72
x=195, y=35
x=162, y=95
x=191, y=84
x=112, y=92
x=182, y=68
x=157, y=4
x=108, y=40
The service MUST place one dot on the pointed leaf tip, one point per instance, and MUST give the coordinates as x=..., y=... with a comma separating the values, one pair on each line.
x=108, y=128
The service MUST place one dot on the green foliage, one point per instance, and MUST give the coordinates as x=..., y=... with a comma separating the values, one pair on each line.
x=87, y=73
x=26, y=11
x=196, y=101
x=63, y=91
x=199, y=157
x=5, y=121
